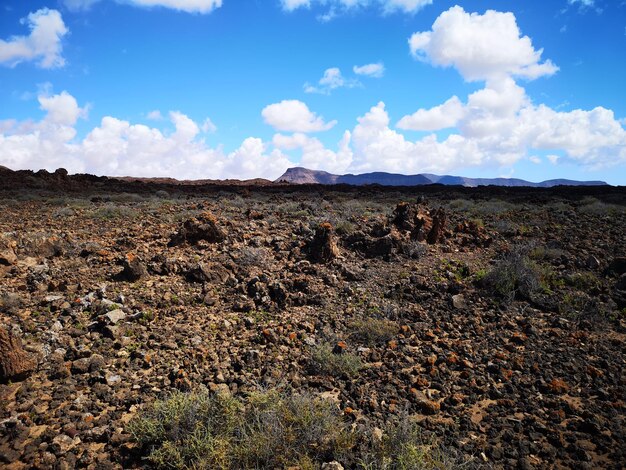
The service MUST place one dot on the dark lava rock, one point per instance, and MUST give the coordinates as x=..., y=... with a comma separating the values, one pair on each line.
x=323, y=247
x=134, y=269
x=204, y=227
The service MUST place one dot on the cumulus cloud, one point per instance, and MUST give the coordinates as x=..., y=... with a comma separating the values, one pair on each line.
x=331, y=80
x=43, y=44
x=116, y=147
x=294, y=116
x=376, y=70
x=315, y=155
x=443, y=116
x=189, y=6
x=154, y=115
x=490, y=138
x=480, y=47
x=386, y=6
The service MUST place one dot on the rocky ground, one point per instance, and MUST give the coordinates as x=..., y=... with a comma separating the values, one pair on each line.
x=387, y=301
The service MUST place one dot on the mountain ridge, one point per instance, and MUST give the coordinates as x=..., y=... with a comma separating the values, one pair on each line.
x=301, y=175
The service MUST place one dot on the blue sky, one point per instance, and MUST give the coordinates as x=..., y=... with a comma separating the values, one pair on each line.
x=247, y=88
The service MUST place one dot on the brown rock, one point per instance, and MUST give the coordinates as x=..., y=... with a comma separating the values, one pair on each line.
x=436, y=233
x=404, y=216
x=204, y=227
x=15, y=363
x=423, y=225
x=134, y=268
x=7, y=252
x=323, y=247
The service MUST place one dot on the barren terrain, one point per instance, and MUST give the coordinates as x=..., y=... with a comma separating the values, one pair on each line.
x=492, y=318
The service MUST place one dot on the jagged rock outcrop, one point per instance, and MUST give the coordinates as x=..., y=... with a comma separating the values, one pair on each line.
x=203, y=227
x=323, y=247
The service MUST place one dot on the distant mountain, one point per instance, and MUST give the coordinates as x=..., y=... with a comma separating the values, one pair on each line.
x=300, y=175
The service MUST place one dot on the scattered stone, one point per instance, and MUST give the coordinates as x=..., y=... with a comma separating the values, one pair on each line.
x=458, y=301
x=114, y=316
x=134, y=268
x=15, y=363
x=7, y=251
x=334, y=465
x=64, y=443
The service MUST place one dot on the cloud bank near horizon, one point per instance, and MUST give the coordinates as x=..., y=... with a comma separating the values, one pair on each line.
x=494, y=127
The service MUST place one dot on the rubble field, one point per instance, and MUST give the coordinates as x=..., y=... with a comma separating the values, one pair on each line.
x=493, y=320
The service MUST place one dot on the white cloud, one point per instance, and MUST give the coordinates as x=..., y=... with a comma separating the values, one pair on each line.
x=467, y=42
x=535, y=159
x=62, y=109
x=488, y=135
x=208, y=126
x=154, y=115
x=582, y=3
x=315, y=155
x=78, y=5
x=43, y=43
x=291, y=5
x=335, y=6
x=407, y=6
x=294, y=116
x=189, y=6
x=331, y=80
x=376, y=70
x=439, y=117
x=487, y=138
x=117, y=147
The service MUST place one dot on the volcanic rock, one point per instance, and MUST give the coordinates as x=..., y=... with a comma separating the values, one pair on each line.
x=7, y=252
x=203, y=227
x=323, y=247
x=134, y=268
x=15, y=363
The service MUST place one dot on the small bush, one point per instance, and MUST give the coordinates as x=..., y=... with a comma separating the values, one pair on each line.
x=374, y=331
x=593, y=206
x=344, y=227
x=584, y=281
x=514, y=276
x=267, y=430
x=63, y=212
x=325, y=361
x=404, y=447
x=113, y=211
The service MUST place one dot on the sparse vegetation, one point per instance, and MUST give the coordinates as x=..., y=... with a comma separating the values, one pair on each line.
x=325, y=360
x=403, y=446
x=373, y=331
x=268, y=429
x=515, y=275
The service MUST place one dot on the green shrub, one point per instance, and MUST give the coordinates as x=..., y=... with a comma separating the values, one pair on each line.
x=404, y=447
x=374, y=331
x=514, y=276
x=325, y=361
x=267, y=430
